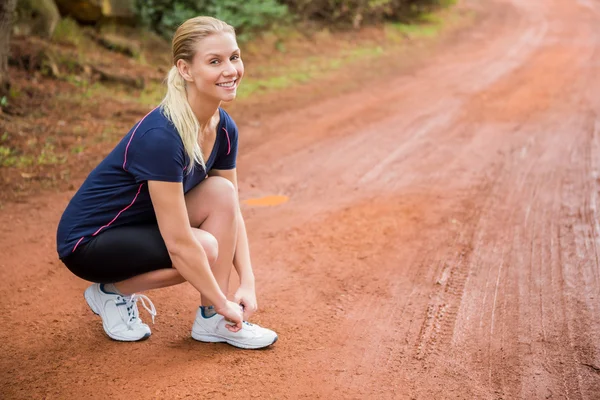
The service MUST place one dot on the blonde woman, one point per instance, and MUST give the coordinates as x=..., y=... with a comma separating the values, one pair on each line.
x=162, y=207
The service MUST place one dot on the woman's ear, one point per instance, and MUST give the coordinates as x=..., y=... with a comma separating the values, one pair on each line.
x=184, y=70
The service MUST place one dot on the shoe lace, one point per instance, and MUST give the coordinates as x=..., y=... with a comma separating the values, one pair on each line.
x=133, y=314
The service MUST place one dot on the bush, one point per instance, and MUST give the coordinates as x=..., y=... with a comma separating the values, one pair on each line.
x=68, y=31
x=357, y=12
x=248, y=16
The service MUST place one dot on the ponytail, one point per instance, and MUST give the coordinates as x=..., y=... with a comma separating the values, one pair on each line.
x=176, y=108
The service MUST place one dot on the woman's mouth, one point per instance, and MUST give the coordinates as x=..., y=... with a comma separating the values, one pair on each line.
x=227, y=85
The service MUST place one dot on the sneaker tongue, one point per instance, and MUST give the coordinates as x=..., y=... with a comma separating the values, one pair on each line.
x=132, y=311
x=248, y=327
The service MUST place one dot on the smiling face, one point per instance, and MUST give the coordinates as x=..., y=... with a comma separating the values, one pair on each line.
x=216, y=70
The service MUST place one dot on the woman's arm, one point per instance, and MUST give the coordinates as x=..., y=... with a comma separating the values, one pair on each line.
x=241, y=258
x=186, y=253
x=246, y=294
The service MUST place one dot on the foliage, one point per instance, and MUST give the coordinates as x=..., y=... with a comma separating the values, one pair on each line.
x=68, y=31
x=252, y=16
x=248, y=17
x=357, y=12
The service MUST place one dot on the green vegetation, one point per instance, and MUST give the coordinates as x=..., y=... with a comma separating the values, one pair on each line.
x=356, y=13
x=289, y=74
x=22, y=158
x=68, y=31
x=248, y=17
x=9, y=157
x=412, y=31
x=152, y=94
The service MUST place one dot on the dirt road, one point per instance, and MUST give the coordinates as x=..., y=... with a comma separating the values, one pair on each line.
x=440, y=241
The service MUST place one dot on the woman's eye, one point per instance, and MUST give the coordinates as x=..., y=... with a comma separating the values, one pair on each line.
x=215, y=61
x=235, y=57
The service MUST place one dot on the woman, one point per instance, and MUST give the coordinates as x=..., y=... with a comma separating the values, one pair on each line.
x=162, y=207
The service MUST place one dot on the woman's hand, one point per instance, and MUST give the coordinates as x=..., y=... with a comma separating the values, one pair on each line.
x=233, y=314
x=246, y=297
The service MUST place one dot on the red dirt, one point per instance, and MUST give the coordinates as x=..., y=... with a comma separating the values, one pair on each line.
x=440, y=241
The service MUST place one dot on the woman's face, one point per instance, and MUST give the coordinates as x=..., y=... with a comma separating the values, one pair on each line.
x=217, y=68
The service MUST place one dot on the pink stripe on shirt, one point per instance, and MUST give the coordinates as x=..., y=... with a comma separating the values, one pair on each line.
x=113, y=220
x=79, y=241
x=133, y=133
x=120, y=212
x=228, y=141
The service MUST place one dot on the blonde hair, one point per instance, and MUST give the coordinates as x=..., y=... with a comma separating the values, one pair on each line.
x=175, y=105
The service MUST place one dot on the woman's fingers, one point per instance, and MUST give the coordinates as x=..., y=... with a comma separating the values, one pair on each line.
x=234, y=327
x=249, y=310
x=233, y=315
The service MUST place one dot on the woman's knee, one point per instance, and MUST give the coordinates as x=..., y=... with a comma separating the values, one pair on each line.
x=209, y=244
x=215, y=195
x=221, y=190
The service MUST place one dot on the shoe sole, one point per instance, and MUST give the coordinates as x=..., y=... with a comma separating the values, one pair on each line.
x=89, y=298
x=210, y=338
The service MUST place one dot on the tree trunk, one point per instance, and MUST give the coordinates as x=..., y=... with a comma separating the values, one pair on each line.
x=7, y=10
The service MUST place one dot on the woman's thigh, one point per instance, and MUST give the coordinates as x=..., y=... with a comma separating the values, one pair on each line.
x=120, y=253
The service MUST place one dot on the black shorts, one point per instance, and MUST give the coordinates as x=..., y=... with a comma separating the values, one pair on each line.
x=120, y=253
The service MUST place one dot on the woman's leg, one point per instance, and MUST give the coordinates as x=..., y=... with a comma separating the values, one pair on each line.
x=212, y=210
x=212, y=206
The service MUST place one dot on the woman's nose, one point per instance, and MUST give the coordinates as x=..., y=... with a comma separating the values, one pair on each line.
x=229, y=70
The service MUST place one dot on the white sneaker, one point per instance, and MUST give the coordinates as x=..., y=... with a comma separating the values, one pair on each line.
x=212, y=329
x=120, y=315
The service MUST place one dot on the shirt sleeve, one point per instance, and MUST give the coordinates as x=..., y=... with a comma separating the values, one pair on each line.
x=228, y=146
x=157, y=155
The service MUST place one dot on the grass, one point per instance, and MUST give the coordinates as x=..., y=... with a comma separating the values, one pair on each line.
x=428, y=25
x=77, y=149
x=47, y=155
x=152, y=94
x=67, y=31
x=9, y=157
x=286, y=75
x=109, y=133
x=413, y=31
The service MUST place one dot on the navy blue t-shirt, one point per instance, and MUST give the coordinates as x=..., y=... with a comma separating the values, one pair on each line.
x=116, y=191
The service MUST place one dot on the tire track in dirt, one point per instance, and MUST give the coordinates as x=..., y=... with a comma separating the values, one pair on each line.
x=436, y=309
x=439, y=248
x=537, y=189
